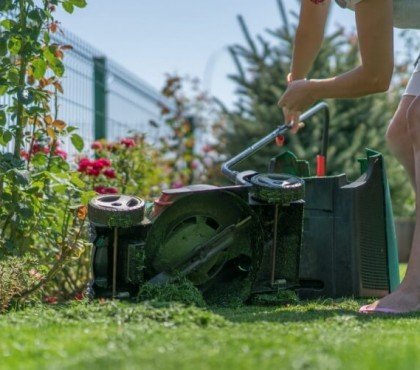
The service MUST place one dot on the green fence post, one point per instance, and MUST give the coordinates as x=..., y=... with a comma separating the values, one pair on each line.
x=100, y=97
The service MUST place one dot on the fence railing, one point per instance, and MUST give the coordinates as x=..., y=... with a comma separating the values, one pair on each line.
x=101, y=98
x=104, y=99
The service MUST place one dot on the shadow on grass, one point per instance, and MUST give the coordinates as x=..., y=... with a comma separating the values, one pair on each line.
x=305, y=312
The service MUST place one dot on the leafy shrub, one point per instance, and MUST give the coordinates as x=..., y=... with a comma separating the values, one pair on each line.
x=40, y=212
x=129, y=166
x=16, y=278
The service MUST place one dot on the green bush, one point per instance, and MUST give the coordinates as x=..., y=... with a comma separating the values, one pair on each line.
x=17, y=277
x=41, y=212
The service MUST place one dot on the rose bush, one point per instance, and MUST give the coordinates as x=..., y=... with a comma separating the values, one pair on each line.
x=41, y=198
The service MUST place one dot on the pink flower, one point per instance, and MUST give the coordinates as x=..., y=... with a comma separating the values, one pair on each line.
x=96, y=145
x=129, y=143
x=61, y=153
x=110, y=173
x=194, y=164
x=177, y=184
x=207, y=148
x=112, y=147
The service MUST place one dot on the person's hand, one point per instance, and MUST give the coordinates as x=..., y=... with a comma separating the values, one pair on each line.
x=297, y=98
x=293, y=118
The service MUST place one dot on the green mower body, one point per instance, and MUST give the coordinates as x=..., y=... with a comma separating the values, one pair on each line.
x=322, y=236
x=349, y=245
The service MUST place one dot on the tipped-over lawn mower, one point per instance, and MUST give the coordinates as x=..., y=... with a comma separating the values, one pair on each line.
x=320, y=236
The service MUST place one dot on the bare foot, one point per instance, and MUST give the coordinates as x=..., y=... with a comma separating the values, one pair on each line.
x=403, y=300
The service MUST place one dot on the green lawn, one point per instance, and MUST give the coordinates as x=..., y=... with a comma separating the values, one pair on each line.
x=313, y=335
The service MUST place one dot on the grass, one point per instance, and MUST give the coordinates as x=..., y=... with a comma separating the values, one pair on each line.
x=326, y=334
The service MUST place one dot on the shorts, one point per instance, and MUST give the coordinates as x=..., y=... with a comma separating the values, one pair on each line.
x=413, y=86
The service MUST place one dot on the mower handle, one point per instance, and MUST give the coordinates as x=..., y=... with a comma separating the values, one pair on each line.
x=231, y=175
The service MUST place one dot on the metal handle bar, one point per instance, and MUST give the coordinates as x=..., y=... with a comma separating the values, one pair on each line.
x=226, y=167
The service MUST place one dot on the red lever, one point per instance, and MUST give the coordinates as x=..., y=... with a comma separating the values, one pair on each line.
x=321, y=164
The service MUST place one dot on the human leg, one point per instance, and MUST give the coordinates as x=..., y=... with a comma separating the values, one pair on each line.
x=398, y=137
x=407, y=297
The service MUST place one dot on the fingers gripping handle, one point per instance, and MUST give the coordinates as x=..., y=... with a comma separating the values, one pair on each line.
x=226, y=167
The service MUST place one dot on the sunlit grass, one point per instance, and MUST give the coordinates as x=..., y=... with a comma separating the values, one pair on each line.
x=322, y=334
x=403, y=269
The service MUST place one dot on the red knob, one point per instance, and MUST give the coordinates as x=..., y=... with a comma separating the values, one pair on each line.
x=280, y=140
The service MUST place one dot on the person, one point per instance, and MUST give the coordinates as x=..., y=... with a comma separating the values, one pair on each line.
x=375, y=20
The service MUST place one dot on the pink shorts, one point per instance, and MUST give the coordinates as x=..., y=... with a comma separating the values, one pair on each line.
x=413, y=86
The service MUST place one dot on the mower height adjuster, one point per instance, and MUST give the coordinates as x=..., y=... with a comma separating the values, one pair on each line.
x=277, y=188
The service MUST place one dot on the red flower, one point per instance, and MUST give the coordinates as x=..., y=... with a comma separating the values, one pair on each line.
x=105, y=190
x=79, y=296
x=110, y=173
x=129, y=143
x=84, y=164
x=50, y=300
x=93, y=172
x=105, y=162
x=97, y=165
x=24, y=154
x=100, y=163
x=111, y=190
x=100, y=189
x=36, y=148
x=96, y=145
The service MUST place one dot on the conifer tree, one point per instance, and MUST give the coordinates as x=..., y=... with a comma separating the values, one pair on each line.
x=262, y=64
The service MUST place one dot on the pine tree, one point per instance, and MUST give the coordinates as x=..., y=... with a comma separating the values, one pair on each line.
x=262, y=65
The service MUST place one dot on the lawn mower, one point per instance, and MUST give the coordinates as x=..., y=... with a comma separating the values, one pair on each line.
x=321, y=236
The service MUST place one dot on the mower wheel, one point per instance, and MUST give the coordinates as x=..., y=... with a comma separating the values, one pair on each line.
x=277, y=188
x=116, y=210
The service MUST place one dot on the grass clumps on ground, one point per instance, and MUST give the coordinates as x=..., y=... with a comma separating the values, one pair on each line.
x=281, y=297
x=180, y=290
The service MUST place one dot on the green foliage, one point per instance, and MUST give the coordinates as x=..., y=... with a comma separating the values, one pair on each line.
x=16, y=276
x=262, y=65
x=40, y=197
x=129, y=166
x=187, y=148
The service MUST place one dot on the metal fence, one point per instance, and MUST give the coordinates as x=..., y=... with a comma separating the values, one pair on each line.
x=101, y=98
x=104, y=99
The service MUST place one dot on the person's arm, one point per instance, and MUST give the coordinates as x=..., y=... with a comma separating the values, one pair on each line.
x=306, y=46
x=375, y=31
x=309, y=37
